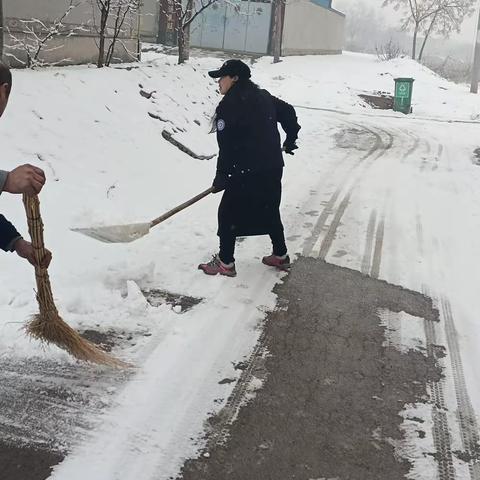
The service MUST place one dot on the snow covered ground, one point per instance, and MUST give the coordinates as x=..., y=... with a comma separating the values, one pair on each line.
x=392, y=196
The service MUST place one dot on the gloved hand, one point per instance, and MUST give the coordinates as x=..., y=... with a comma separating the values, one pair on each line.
x=220, y=182
x=289, y=146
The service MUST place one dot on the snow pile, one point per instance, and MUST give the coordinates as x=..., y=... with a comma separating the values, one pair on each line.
x=335, y=83
x=98, y=135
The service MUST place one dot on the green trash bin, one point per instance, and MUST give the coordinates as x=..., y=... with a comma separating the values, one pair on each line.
x=403, y=95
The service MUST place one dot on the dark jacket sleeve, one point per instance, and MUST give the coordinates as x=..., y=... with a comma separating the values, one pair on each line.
x=287, y=117
x=8, y=233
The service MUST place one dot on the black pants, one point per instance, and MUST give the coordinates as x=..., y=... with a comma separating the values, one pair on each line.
x=250, y=206
x=227, y=245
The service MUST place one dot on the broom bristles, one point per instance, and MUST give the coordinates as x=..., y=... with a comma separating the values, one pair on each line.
x=54, y=330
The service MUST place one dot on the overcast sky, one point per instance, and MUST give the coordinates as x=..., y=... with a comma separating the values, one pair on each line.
x=468, y=28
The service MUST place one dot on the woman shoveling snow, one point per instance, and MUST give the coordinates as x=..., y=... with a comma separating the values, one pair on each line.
x=250, y=166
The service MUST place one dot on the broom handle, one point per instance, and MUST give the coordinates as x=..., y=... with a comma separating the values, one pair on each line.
x=35, y=228
x=181, y=207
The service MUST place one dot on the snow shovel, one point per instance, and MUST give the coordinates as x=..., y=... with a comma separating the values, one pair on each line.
x=134, y=231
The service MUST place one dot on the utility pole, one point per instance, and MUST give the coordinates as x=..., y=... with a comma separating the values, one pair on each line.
x=476, y=59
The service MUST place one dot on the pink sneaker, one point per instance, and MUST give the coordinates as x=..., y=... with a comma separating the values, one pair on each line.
x=282, y=263
x=216, y=266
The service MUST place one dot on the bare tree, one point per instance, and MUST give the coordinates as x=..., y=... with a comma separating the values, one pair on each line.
x=428, y=16
x=416, y=13
x=34, y=36
x=185, y=12
x=116, y=17
x=448, y=18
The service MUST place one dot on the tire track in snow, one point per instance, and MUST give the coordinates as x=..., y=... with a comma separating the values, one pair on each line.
x=437, y=157
x=442, y=439
x=331, y=233
x=319, y=225
x=413, y=148
x=372, y=257
x=347, y=185
x=371, y=262
x=466, y=414
x=467, y=421
x=229, y=412
x=441, y=432
x=419, y=231
x=427, y=145
x=367, y=255
x=329, y=207
x=377, y=254
x=362, y=167
x=429, y=163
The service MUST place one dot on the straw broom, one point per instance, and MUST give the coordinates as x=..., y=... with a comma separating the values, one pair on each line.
x=47, y=326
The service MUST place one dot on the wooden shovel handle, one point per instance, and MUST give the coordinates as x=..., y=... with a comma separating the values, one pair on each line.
x=181, y=207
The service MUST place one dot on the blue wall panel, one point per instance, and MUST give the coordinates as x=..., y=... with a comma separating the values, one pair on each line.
x=323, y=3
x=237, y=25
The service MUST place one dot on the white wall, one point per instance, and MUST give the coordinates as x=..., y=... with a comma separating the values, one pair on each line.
x=312, y=29
x=79, y=48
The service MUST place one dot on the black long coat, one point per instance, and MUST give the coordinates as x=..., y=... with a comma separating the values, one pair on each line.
x=250, y=155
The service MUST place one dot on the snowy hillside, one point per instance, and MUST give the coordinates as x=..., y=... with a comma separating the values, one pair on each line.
x=98, y=136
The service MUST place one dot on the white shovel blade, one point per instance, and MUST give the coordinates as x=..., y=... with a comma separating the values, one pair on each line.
x=116, y=233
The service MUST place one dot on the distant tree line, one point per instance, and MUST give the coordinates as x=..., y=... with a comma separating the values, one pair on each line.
x=428, y=17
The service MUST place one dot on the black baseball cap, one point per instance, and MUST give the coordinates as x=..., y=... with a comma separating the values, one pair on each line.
x=232, y=68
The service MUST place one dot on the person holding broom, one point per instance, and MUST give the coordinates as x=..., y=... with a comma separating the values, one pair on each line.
x=250, y=166
x=25, y=179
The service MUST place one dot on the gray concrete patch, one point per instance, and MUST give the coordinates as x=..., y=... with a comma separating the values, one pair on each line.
x=332, y=391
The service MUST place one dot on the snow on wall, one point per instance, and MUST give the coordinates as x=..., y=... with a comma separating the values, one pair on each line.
x=80, y=48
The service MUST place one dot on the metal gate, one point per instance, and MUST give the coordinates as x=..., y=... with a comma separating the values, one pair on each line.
x=239, y=26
